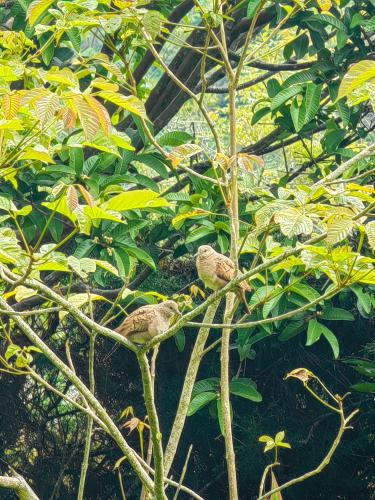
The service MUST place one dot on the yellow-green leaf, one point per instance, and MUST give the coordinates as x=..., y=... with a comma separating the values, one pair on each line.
x=136, y=199
x=36, y=9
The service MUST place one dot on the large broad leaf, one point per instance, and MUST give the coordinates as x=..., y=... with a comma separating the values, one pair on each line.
x=199, y=401
x=36, y=9
x=328, y=19
x=336, y=314
x=314, y=332
x=206, y=385
x=284, y=95
x=358, y=74
x=180, y=153
x=96, y=213
x=141, y=255
x=293, y=222
x=174, y=138
x=137, y=199
x=306, y=291
x=338, y=229
x=10, y=250
x=252, y=7
x=364, y=298
x=291, y=330
x=129, y=103
x=310, y=105
x=245, y=388
x=364, y=387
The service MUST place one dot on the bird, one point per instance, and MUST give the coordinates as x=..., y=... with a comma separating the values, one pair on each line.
x=217, y=270
x=148, y=321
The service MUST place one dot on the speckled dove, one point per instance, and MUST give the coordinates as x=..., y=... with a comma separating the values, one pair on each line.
x=148, y=321
x=217, y=270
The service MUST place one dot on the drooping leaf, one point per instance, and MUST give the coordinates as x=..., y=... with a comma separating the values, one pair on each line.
x=245, y=388
x=199, y=401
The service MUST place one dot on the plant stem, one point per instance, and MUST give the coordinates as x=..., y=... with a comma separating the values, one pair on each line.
x=323, y=464
x=86, y=453
x=154, y=425
x=230, y=301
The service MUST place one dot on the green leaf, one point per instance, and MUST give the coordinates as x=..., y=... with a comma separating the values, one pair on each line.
x=271, y=304
x=199, y=401
x=12, y=350
x=180, y=339
x=280, y=437
x=291, y=330
x=363, y=298
x=293, y=222
x=310, y=105
x=364, y=387
x=106, y=266
x=358, y=74
x=219, y=409
x=141, y=255
x=36, y=9
x=300, y=77
x=206, y=385
x=370, y=231
x=97, y=213
x=338, y=229
x=174, y=138
x=258, y=115
x=122, y=261
x=76, y=160
x=306, y=291
x=332, y=340
x=265, y=439
x=198, y=233
x=328, y=19
x=153, y=162
x=336, y=314
x=131, y=200
x=251, y=8
x=245, y=388
x=314, y=332
x=129, y=103
x=284, y=95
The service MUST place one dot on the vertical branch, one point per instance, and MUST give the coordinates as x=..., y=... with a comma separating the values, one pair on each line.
x=230, y=299
x=86, y=453
x=154, y=425
x=149, y=447
x=191, y=375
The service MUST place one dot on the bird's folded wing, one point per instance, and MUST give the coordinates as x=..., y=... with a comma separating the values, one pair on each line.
x=137, y=322
x=224, y=268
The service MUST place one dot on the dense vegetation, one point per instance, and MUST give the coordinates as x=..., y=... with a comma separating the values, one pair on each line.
x=131, y=133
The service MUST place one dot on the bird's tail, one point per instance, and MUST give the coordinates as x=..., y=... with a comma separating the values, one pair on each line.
x=242, y=298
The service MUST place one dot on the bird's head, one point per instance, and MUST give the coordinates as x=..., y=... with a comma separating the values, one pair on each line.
x=205, y=251
x=171, y=308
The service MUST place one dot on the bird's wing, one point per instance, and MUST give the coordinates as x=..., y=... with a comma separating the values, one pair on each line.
x=224, y=268
x=225, y=271
x=137, y=322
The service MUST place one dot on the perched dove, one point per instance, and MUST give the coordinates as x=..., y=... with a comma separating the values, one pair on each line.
x=148, y=321
x=217, y=270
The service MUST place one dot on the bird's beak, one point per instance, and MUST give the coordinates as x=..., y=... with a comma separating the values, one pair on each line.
x=196, y=254
x=179, y=314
